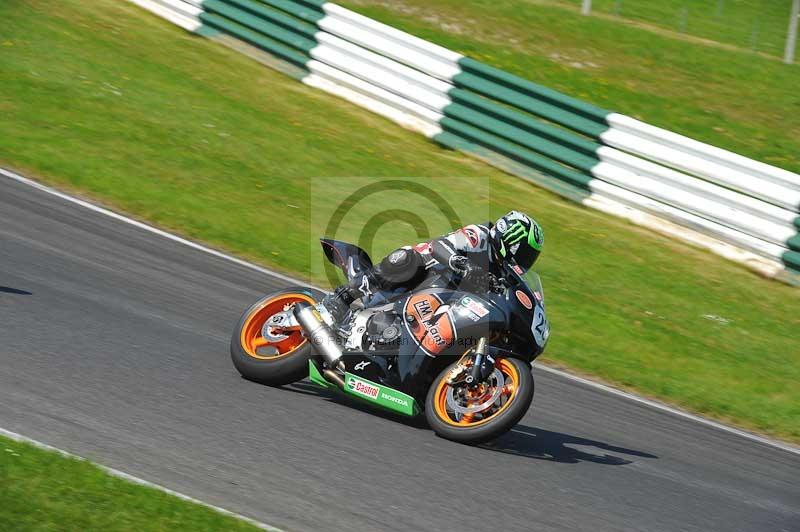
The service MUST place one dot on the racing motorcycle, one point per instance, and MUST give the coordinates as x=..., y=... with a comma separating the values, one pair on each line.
x=460, y=351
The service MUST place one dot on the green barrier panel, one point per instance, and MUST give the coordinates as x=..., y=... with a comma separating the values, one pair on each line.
x=562, y=188
x=794, y=243
x=529, y=104
x=313, y=4
x=310, y=12
x=514, y=151
x=792, y=260
x=260, y=26
x=268, y=14
x=521, y=137
x=258, y=40
x=525, y=122
x=556, y=98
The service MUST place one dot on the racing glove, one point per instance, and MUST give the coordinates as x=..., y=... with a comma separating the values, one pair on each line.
x=474, y=274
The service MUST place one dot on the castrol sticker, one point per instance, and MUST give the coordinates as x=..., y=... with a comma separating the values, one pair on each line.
x=524, y=299
x=474, y=306
x=363, y=388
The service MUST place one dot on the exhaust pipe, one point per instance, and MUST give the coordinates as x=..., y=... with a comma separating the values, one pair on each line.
x=334, y=378
x=318, y=333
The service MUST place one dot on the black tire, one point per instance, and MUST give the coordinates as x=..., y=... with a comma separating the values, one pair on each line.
x=496, y=425
x=278, y=371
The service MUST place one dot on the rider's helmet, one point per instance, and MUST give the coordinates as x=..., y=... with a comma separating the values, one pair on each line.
x=517, y=238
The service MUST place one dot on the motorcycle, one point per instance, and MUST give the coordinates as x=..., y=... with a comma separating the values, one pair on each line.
x=462, y=352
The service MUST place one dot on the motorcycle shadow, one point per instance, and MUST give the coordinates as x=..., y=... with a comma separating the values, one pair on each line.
x=533, y=442
x=522, y=440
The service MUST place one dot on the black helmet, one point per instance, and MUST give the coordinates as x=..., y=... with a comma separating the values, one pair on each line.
x=517, y=237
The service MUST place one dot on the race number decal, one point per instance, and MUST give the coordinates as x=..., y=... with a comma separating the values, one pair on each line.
x=540, y=327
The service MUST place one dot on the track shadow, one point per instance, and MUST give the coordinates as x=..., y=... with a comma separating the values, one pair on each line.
x=15, y=291
x=543, y=444
x=530, y=442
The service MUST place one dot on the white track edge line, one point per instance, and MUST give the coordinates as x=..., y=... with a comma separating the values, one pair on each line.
x=653, y=404
x=91, y=206
x=136, y=480
x=672, y=410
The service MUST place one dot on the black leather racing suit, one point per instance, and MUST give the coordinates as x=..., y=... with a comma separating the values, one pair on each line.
x=465, y=251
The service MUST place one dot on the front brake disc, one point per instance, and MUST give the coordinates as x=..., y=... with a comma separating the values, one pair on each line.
x=459, y=405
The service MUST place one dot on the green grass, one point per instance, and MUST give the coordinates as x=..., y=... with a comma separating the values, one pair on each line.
x=759, y=25
x=731, y=99
x=45, y=491
x=113, y=103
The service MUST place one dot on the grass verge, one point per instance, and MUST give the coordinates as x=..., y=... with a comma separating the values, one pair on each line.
x=43, y=490
x=756, y=25
x=111, y=102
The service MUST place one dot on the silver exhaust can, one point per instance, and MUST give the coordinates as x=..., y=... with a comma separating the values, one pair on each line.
x=318, y=333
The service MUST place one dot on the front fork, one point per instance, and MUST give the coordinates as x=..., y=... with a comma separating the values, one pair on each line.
x=482, y=366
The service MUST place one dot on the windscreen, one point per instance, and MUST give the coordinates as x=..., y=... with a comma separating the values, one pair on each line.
x=535, y=284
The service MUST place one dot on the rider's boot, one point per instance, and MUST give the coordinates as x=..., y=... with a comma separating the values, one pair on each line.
x=338, y=302
x=362, y=285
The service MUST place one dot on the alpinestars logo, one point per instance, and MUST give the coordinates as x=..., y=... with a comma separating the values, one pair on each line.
x=363, y=388
x=397, y=256
x=364, y=287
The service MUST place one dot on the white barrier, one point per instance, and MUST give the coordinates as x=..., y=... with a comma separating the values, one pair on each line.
x=406, y=40
x=686, y=219
x=390, y=42
x=393, y=77
x=663, y=192
x=383, y=102
x=705, y=189
x=732, y=161
x=739, y=208
x=183, y=13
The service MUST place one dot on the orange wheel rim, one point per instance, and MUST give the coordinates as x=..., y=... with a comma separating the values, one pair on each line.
x=508, y=395
x=252, y=339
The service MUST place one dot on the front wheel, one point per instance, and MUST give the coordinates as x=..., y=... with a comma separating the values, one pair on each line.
x=265, y=352
x=483, y=412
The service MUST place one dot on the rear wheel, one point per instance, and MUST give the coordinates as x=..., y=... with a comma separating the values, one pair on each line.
x=265, y=351
x=484, y=412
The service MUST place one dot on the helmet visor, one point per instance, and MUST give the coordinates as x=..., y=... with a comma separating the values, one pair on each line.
x=525, y=257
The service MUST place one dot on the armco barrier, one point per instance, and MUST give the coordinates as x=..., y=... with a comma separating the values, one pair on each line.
x=739, y=208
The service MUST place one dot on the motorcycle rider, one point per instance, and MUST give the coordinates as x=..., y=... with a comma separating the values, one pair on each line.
x=473, y=253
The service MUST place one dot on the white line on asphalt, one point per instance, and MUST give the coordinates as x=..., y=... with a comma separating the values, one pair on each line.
x=136, y=480
x=672, y=410
x=653, y=404
x=92, y=207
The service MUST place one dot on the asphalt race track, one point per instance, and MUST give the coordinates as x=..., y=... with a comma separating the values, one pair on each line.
x=114, y=346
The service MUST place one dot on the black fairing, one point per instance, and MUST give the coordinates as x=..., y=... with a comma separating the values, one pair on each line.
x=503, y=318
x=349, y=257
